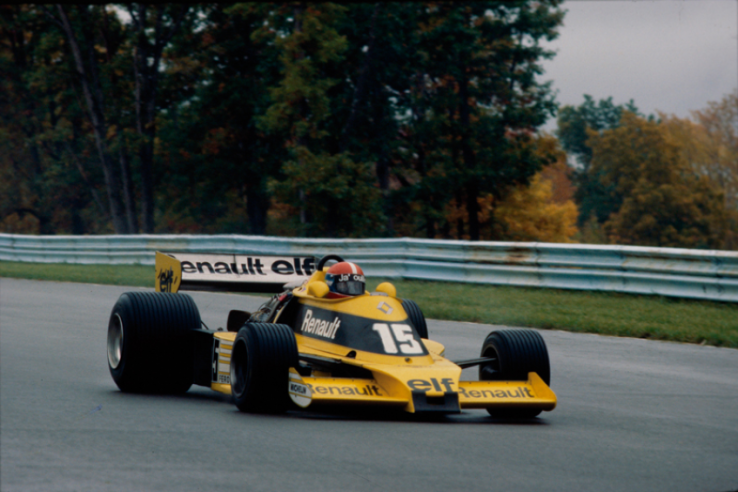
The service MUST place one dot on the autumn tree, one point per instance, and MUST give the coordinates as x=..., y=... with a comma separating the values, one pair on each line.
x=541, y=210
x=659, y=198
x=719, y=136
x=574, y=124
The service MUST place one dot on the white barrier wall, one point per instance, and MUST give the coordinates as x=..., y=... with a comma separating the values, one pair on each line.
x=696, y=274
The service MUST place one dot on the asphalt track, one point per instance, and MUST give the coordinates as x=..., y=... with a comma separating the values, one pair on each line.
x=633, y=415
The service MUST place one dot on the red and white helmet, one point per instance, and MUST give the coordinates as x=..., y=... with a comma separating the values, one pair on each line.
x=345, y=279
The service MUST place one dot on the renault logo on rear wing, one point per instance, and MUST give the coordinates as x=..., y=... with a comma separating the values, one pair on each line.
x=244, y=273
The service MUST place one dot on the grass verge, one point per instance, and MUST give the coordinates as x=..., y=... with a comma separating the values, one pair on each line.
x=628, y=315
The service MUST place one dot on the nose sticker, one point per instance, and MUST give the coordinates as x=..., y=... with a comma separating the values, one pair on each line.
x=385, y=308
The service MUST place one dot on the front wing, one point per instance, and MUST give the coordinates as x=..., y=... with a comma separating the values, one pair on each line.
x=441, y=396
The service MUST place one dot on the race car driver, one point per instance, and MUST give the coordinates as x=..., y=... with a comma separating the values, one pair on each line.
x=345, y=279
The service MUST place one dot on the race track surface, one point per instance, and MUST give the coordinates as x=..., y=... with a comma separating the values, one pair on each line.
x=633, y=415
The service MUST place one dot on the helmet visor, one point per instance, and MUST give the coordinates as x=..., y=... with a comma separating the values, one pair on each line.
x=350, y=287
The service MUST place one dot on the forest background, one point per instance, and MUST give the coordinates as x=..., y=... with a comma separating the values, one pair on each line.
x=339, y=120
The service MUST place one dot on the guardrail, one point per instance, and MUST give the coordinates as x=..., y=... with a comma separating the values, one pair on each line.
x=696, y=274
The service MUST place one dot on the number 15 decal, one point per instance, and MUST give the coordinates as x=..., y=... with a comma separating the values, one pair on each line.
x=403, y=338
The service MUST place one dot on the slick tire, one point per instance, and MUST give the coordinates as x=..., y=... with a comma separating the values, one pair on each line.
x=149, y=342
x=516, y=353
x=262, y=356
x=416, y=317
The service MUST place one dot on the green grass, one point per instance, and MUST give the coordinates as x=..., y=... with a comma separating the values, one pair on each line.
x=131, y=275
x=651, y=317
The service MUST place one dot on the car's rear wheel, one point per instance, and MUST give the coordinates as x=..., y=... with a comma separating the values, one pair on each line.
x=515, y=354
x=262, y=356
x=416, y=317
x=149, y=346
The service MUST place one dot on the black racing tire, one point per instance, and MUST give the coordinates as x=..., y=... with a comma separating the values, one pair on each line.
x=416, y=317
x=262, y=356
x=149, y=342
x=516, y=353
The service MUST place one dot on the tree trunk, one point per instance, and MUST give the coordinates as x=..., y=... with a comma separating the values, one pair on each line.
x=299, y=8
x=472, y=189
x=147, y=84
x=257, y=205
x=129, y=198
x=383, y=177
x=145, y=97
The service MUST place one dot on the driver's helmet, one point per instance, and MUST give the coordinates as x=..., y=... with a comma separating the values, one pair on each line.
x=345, y=279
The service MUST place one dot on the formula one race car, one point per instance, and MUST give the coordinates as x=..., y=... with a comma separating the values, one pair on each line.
x=322, y=340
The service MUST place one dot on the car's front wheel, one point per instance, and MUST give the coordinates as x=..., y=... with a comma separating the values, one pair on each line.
x=515, y=353
x=262, y=356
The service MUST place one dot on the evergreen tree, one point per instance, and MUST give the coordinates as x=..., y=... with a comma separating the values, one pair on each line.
x=480, y=101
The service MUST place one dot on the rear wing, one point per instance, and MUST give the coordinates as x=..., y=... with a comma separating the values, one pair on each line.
x=228, y=272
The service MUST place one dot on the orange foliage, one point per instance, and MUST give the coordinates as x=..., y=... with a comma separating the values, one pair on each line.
x=530, y=213
x=542, y=211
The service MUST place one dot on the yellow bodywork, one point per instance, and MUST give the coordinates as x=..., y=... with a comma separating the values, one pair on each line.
x=395, y=378
x=168, y=273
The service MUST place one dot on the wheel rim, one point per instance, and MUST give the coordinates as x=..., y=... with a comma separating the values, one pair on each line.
x=239, y=362
x=489, y=370
x=115, y=341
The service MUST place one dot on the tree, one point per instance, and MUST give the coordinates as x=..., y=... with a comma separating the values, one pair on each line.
x=98, y=43
x=574, y=126
x=348, y=120
x=661, y=201
x=719, y=135
x=330, y=191
x=480, y=98
x=153, y=30
x=86, y=64
x=46, y=171
x=216, y=160
x=542, y=210
x=529, y=213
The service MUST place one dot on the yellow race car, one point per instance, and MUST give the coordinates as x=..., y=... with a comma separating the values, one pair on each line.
x=310, y=345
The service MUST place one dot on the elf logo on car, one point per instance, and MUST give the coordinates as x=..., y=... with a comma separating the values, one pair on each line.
x=447, y=385
x=166, y=279
x=320, y=327
x=432, y=385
